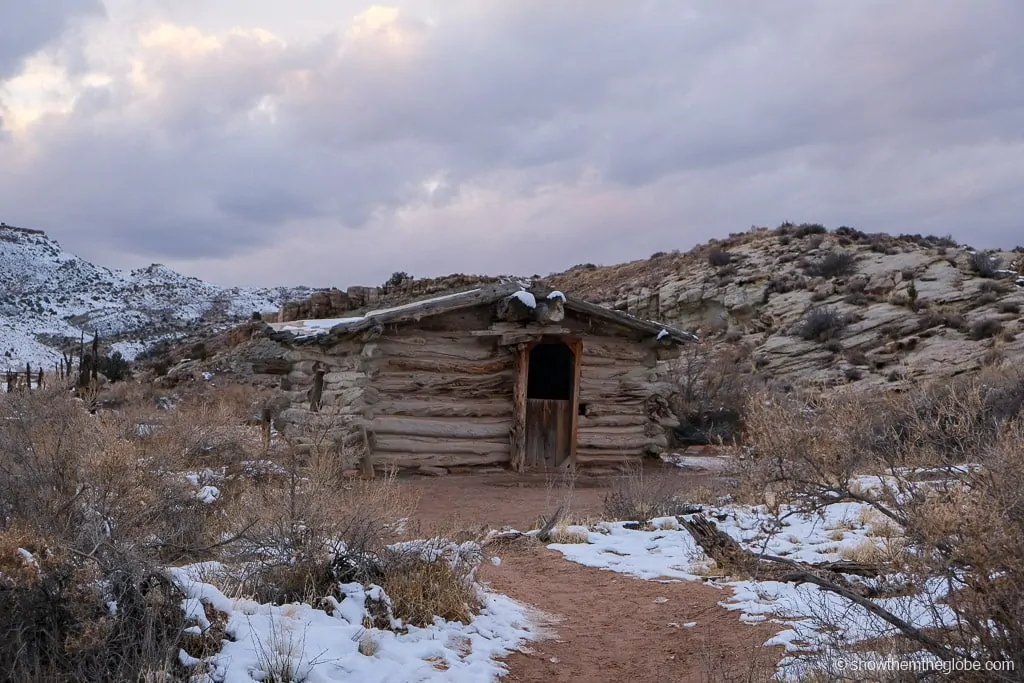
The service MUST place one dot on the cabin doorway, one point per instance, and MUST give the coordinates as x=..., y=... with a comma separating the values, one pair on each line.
x=552, y=394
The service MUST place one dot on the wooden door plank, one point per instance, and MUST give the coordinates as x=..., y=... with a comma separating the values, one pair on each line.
x=519, y=418
x=574, y=429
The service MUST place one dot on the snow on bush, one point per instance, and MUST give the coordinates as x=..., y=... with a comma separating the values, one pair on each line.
x=342, y=639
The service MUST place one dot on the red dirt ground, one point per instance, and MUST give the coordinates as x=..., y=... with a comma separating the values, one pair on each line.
x=607, y=626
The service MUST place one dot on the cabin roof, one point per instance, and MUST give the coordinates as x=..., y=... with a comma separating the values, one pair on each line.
x=324, y=330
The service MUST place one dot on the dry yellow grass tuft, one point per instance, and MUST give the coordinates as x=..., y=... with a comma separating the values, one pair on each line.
x=421, y=590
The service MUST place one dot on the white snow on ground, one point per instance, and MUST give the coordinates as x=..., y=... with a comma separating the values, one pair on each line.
x=332, y=644
x=668, y=553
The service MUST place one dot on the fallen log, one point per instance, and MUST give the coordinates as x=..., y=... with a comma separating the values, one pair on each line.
x=828, y=576
x=729, y=555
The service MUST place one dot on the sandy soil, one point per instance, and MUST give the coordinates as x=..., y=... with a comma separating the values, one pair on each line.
x=504, y=499
x=605, y=626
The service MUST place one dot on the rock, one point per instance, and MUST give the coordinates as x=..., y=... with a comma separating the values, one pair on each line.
x=429, y=471
x=767, y=293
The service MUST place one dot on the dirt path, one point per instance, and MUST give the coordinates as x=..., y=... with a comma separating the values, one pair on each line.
x=609, y=627
x=616, y=628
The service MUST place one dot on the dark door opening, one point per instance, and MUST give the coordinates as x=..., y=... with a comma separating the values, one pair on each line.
x=552, y=367
x=550, y=388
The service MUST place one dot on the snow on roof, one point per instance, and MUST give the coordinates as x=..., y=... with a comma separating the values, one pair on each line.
x=299, y=330
x=318, y=326
x=528, y=299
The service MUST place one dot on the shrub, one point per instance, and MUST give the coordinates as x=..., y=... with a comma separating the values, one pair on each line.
x=834, y=346
x=851, y=233
x=719, y=257
x=640, y=496
x=963, y=528
x=114, y=367
x=815, y=240
x=805, y=229
x=56, y=622
x=857, y=299
x=198, y=351
x=985, y=328
x=397, y=279
x=834, y=264
x=431, y=579
x=984, y=264
x=1009, y=307
x=821, y=324
x=986, y=299
x=993, y=287
x=937, y=316
x=710, y=392
x=856, y=357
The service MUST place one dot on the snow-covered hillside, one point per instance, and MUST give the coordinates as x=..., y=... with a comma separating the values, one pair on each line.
x=48, y=296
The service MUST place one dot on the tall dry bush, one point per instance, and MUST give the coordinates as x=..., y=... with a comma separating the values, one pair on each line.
x=101, y=502
x=81, y=597
x=963, y=525
x=316, y=529
x=711, y=388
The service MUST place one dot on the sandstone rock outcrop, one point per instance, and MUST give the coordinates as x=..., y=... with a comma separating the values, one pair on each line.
x=914, y=307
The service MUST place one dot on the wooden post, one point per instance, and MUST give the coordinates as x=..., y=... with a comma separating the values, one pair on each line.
x=95, y=357
x=28, y=376
x=518, y=433
x=577, y=352
x=366, y=465
x=40, y=379
x=316, y=392
x=265, y=424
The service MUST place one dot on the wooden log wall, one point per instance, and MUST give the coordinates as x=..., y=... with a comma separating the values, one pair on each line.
x=444, y=396
x=440, y=393
x=343, y=376
x=617, y=376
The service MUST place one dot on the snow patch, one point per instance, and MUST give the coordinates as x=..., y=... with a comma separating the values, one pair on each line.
x=669, y=553
x=331, y=645
x=527, y=298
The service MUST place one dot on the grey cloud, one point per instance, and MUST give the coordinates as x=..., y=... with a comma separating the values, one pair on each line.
x=603, y=132
x=28, y=26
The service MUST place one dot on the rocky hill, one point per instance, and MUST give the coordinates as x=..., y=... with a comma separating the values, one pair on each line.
x=811, y=306
x=797, y=303
x=49, y=298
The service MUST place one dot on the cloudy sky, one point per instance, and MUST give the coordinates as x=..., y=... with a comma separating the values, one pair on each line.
x=332, y=142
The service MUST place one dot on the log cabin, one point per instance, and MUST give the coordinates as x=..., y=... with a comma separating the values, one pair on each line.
x=500, y=375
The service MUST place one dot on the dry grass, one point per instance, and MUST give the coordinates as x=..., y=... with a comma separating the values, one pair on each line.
x=961, y=528
x=640, y=494
x=718, y=665
x=570, y=531
x=434, y=583
x=93, y=505
x=888, y=552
